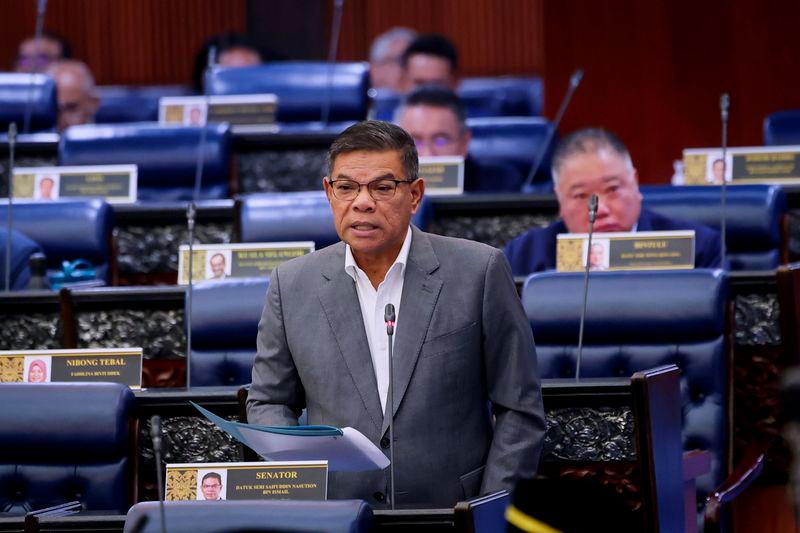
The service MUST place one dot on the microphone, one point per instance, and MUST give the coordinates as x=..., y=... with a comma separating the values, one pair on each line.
x=155, y=435
x=593, y=201
x=336, y=27
x=41, y=8
x=191, y=213
x=574, y=82
x=12, y=142
x=724, y=106
x=389, y=318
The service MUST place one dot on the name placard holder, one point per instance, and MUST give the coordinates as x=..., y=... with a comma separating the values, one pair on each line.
x=754, y=164
x=444, y=175
x=115, y=365
x=116, y=184
x=285, y=480
x=643, y=250
x=237, y=110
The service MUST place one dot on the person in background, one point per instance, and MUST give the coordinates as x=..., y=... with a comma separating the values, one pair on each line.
x=77, y=100
x=430, y=59
x=233, y=50
x=37, y=372
x=36, y=57
x=385, y=70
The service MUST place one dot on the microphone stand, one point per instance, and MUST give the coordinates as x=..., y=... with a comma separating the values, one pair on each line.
x=12, y=141
x=41, y=8
x=389, y=318
x=724, y=106
x=336, y=27
x=574, y=82
x=155, y=435
x=592, y=216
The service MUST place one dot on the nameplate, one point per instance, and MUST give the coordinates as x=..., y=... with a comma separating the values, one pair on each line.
x=243, y=109
x=443, y=175
x=643, y=250
x=286, y=480
x=115, y=365
x=116, y=184
x=248, y=260
x=756, y=164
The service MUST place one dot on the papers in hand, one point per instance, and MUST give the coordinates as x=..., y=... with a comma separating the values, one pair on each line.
x=346, y=450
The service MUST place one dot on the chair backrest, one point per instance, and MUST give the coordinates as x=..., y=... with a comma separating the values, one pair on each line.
x=68, y=230
x=504, y=96
x=332, y=516
x=225, y=317
x=754, y=218
x=782, y=127
x=125, y=103
x=61, y=442
x=515, y=141
x=166, y=156
x=22, y=248
x=640, y=320
x=298, y=216
x=32, y=93
x=302, y=88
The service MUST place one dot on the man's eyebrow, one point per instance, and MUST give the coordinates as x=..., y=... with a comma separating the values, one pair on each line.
x=387, y=176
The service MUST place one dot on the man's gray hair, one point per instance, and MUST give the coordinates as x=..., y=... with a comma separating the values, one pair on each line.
x=381, y=44
x=376, y=136
x=588, y=141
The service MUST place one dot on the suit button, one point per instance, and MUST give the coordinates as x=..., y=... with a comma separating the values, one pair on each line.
x=379, y=496
x=385, y=442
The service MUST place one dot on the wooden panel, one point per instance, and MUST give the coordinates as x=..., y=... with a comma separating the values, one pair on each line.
x=126, y=41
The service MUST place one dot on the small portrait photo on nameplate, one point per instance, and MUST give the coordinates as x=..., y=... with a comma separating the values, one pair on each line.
x=443, y=175
x=115, y=365
x=237, y=110
x=116, y=184
x=214, y=262
x=283, y=480
x=741, y=165
x=643, y=250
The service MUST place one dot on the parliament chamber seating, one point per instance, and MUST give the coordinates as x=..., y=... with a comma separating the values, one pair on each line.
x=22, y=248
x=166, y=156
x=782, y=127
x=61, y=442
x=124, y=103
x=640, y=320
x=302, y=88
x=755, y=218
x=67, y=231
x=297, y=216
x=225, y=317
x=333, y=516
x=32, y=93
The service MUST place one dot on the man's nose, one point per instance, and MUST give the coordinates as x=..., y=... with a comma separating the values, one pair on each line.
x=363, y=201
x=602, y=207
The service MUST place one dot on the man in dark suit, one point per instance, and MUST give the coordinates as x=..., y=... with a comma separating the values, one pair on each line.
x=461, y=341
x=595, y=161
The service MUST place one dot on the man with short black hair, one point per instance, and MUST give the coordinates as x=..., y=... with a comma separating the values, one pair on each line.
x=595, y=161
x=430, y=59
x=36, y=55
x=211, y=486
x=461, y=339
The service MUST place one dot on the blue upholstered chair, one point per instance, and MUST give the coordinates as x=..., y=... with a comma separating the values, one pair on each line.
x=35, y=92
x=225, y=317
x=782, y=127
x=755, y=218
x=22, y=248
x=61, y=442
x=121, y=103
x=332, y=516
x=302, y=88
x=297, y=216
x=513, y=141
x=503, y=96
x=166, y=156
x=68, y=230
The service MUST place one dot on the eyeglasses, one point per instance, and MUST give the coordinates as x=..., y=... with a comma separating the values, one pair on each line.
x=380, y=189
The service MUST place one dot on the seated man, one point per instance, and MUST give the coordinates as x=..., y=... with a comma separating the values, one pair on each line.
x=385, y=71
x=77, y=101
x=36, y=56
x=595, y=161
x=436, y=119
x=430, y=59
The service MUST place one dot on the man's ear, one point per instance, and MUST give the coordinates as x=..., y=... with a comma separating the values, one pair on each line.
x=326, y=185
x=417, y=188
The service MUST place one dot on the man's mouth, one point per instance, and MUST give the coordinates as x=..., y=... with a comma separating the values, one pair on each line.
x=363, y=226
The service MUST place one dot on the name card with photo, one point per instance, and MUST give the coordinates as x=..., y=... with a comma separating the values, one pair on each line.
x=443, y=174
x=755, y=164
x=115, y=365
x=285, y=480
x=116, y=184
x=239, y=260
x=643, y=250
x=239, y=110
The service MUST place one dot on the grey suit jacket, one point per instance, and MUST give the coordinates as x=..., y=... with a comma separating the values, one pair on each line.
x=462, y=340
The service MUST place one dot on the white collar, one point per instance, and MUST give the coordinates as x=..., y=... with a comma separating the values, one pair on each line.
x=351, y=267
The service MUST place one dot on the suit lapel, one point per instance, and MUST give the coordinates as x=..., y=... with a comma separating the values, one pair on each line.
x=339, y=301
x=420, y=292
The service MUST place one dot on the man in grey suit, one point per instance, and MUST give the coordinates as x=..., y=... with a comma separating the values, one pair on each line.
x=462, y=339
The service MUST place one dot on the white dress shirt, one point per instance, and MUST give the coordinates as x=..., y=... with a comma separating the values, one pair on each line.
x=373, y=302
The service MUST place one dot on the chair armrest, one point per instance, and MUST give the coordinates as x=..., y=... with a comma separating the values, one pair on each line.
x=748, y=469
